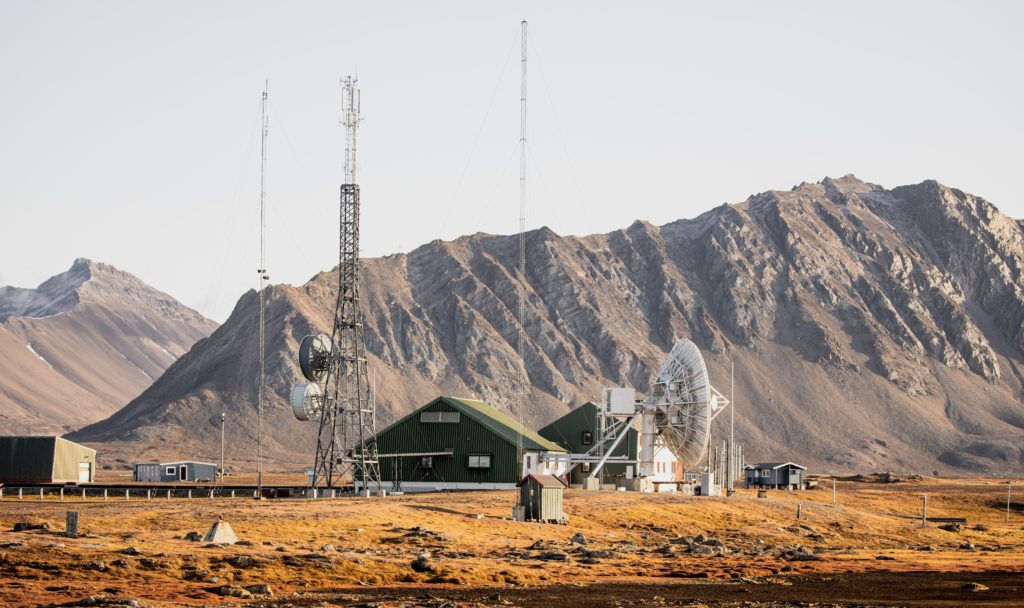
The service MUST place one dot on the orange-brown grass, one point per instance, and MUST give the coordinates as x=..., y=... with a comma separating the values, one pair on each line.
x=374, y=539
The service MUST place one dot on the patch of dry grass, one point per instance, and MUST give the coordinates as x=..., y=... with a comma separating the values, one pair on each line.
x=471, y=541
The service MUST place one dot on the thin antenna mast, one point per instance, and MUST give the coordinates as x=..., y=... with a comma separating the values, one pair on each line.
x=522, y=245
x=263, y=278
x=732, y=427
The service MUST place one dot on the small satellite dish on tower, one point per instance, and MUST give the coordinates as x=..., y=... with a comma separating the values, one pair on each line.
x=315, y=357
x=307, y=399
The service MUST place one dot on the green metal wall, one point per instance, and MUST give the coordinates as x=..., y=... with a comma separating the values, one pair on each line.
x=26, y=459
x=463, y=438
x=568, y=430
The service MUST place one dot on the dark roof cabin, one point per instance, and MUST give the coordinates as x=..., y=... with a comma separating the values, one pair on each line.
x=779, y=475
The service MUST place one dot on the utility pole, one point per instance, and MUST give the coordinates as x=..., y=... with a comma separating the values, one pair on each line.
x=522, y=245
x=833, y=490
x=222, y=417
x=732, y=428
x=1009, y=485
x=924, y=510
x=263, y=278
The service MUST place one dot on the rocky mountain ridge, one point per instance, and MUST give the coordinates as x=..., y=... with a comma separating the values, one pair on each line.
x=870, y=328
x=84, y=343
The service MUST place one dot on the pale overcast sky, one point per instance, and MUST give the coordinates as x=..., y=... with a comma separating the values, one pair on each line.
x=129, y=130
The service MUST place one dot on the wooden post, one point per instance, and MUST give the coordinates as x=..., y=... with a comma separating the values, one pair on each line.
x=20, y=494
x=168, y=494
x=190, y=494
x=232, y=493
x=799, y=507
x=104, y=493
x=924, y=510
x=62, y=493
x=1009, y=484
x=126, y=493
x=71, y=524
x=40, y=493
x=833, y=490
x=83, y=493
x=149, y=494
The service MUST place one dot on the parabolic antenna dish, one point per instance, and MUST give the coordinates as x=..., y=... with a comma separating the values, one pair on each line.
x=684, y=403
x=315, y=357
x=306, y=400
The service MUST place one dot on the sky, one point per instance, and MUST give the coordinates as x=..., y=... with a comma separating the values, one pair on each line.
x=129, y=131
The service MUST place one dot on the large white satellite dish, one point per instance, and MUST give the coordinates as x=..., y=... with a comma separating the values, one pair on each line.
x=683, y=403
x=678, y=411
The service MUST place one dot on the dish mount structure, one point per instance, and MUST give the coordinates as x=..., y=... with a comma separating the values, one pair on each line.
x=337, y=392
x=679, y=410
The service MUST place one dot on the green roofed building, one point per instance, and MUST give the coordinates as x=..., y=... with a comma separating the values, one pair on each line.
x=45, y=460
x=454, y=443
x=578, y=432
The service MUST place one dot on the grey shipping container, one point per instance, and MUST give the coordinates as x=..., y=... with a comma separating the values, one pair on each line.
x=186, y=470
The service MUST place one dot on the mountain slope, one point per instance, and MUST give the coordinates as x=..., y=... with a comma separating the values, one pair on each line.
x=83, y=344
x=870, y=328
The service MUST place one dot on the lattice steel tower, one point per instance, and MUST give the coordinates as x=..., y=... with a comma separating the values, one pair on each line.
x=348, y=417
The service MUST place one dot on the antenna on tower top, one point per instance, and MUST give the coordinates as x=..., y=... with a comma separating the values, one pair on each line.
x=350, y=118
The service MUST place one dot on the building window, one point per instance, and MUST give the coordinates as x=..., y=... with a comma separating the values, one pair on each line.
x=766, y=473
x=588, y=438
x=586, y=467
x=442, y=417
x=427, y=462
x=479, y=461
x=170, y=471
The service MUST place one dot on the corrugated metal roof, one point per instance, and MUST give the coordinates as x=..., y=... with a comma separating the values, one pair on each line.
x=546, y=481
x=502, y=424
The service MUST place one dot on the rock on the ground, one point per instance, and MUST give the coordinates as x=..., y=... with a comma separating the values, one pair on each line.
x=231, y=591
x=422, y=563
x=24, y=526
x=260, y=589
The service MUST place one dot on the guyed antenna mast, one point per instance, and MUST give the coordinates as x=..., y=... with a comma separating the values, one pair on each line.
x=262, y=270
x=522, y=246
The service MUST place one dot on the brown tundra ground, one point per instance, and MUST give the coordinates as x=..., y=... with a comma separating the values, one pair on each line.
x=656, y=549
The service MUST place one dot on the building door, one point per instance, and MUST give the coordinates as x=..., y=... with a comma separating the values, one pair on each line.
x=183, y=473
x=84, y=468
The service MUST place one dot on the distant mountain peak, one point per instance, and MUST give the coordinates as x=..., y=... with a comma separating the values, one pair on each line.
x=85, y=280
